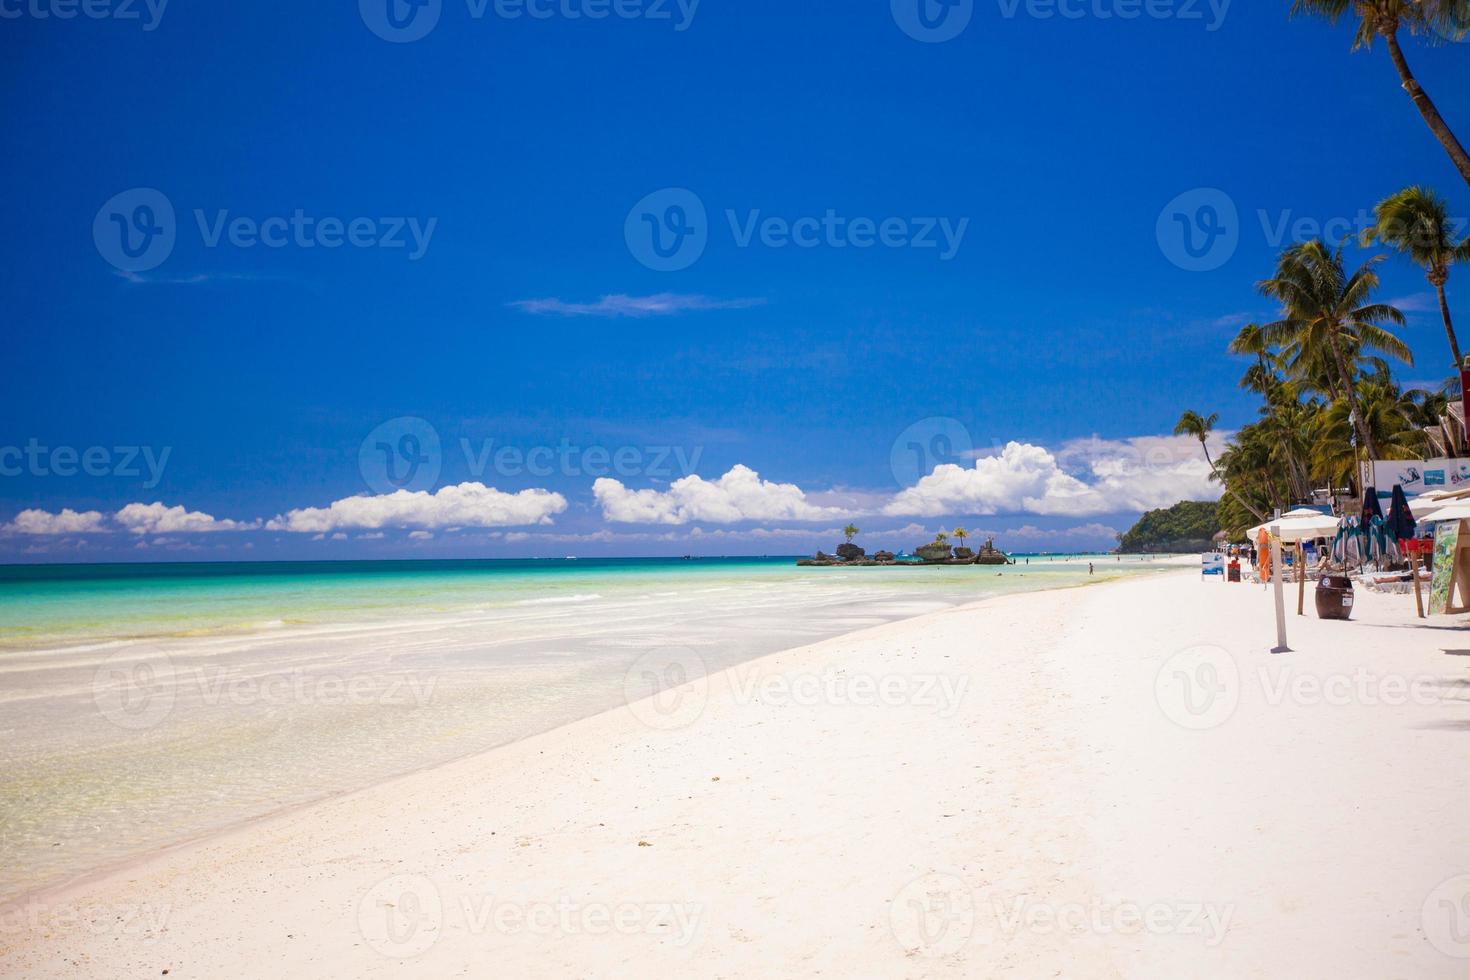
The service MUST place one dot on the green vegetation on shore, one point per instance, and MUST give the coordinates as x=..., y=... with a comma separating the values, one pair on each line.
x=1188, y=526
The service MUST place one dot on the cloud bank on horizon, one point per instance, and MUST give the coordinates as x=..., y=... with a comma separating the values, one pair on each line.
x=1085, y=478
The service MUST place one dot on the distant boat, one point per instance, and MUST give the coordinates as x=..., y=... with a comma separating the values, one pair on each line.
x=571, y=557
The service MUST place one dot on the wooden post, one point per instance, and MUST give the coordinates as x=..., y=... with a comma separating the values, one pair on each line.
x=1301, y=579
x=1414, y=574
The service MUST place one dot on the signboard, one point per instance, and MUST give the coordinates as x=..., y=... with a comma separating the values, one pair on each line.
x=1446, y=534
x=1212, y=564
x=1416, y=475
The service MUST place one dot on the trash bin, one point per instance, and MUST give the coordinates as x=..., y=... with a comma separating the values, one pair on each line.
x=1335, y=597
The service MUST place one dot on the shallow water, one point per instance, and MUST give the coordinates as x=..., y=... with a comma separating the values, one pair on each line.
x=142, y=705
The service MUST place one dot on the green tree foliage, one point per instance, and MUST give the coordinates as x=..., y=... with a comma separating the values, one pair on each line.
x=1186, y=527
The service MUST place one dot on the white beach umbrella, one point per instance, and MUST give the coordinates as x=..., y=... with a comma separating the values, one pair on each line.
x=1301, y=525
x=1450, y=511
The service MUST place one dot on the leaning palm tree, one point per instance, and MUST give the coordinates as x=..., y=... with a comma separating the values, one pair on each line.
x=1329, y=319
x=1448, y=19
x=1416, y=221
x=850, y=532
x=1194, y=424
x=961, y=534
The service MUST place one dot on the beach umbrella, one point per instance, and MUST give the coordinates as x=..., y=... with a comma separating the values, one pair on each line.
x=1401, y=522
x=1371, y=508
x=1300, y=525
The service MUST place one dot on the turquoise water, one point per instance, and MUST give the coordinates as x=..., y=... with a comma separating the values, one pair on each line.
x=42, y=604
x=141, y=705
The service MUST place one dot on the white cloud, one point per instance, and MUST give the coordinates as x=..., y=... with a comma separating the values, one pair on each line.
x=1121, y=476
x=465, y=505
x=661, y=304
x=157, y=518
x=739, y=495
x=67, y=522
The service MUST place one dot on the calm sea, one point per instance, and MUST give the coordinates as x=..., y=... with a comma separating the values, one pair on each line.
x=141, y=705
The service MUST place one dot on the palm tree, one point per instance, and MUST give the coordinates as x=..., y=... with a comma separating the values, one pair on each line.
x=962, y=534
x=941, y=538
x=1390, y=415
x=850, y=532
x=1194, y=424
x=1416, y=222
x=1384, y=18
x=1328, y=318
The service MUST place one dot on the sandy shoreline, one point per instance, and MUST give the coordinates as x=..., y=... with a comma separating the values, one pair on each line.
x=1031, y=784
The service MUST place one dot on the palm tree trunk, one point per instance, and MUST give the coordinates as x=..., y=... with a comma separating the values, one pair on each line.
x=1352, y=399
x=1427, y=108
x=1449, y=327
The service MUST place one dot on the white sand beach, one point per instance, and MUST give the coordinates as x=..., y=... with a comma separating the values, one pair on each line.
x=1117, y=781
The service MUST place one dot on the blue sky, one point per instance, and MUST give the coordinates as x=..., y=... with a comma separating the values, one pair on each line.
x=494, y=175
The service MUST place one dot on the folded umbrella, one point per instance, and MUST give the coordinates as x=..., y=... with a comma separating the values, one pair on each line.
x=1401, y=523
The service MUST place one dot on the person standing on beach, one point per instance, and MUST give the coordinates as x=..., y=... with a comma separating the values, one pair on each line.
x=1091, y=569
